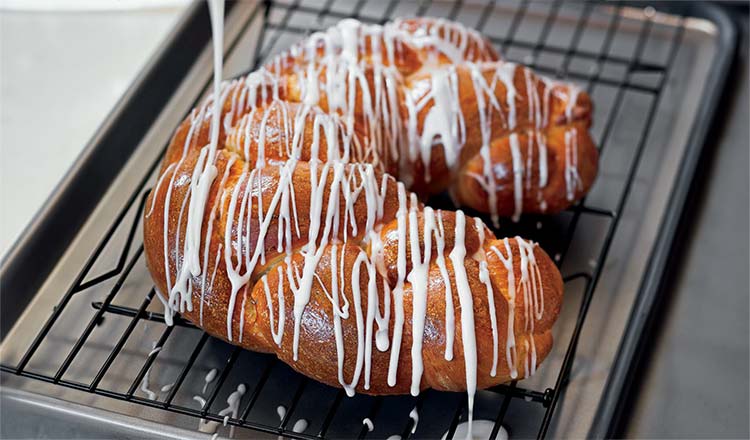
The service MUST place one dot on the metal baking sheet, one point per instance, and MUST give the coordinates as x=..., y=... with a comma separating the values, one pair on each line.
x=669, y=125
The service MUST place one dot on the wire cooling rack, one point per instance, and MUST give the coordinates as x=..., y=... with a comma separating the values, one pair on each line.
x=611, y=50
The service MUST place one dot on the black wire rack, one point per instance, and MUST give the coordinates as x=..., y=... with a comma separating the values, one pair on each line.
x=282, y=20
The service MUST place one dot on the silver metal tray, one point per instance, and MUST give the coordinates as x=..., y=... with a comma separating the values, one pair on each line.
x=652, y=76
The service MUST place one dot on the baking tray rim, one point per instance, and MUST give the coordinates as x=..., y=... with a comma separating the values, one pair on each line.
x=632, y=347
x=15, y=265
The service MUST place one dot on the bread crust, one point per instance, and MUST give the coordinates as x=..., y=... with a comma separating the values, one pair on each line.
x=281, y=159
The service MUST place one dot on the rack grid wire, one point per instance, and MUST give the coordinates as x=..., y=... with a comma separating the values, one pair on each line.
x=276, y=18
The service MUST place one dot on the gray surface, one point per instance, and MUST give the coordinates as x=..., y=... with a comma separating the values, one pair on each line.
x=17, y=406
x=697, y=382
x=606, y=319
x=42, y=84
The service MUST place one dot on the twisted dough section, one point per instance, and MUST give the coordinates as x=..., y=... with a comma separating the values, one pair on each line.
x=308, y=248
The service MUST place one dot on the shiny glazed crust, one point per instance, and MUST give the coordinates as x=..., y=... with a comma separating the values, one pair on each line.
x=285, y=197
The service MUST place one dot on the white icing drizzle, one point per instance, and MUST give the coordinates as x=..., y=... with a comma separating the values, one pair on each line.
x=342, y=312
x=278, y=333
x=533, y=291
x=538, y=117
x=468, y=337
x=206, y=245
x=233, y=402
x=510, y=344
x=154, y=350
x=145, y=382
x=201, y=401
x=480, y=89
x=444, y=120
x=518, y=170
x=233, y=406
x=480, y=430
x=210, y=376
x=300, y=426
x=572, y=179
x=484, y=277
x=208, y=426
x=450, y=321
x=367, y=422
x=145, y=386
x=414, y=415
x=203, y=175
x=572, y=101
x=168, y=170
x=333, y=68
x=506, y=73
x=398, y=290
x=418, y=278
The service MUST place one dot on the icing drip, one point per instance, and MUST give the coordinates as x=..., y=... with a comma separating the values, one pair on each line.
x=450, y=323
x=201, y=401
x=278, y=333
x=538, y=117
x=506, y=74
x=572, y=101
x=468, y=337
x=484, y=277
x=145, y=386
x=572, y=179
x=210, y=376
x=518, y=170
x=203, y=176
x=510, y=344
x=418, y=278
x=233, y=406
x=300, y=426
x=531, y=285
x=480, y=430
x=398, y=291
x=444, y=119
x=342, y=312
x=488, y=181
x=145, y=382
x=414, y=416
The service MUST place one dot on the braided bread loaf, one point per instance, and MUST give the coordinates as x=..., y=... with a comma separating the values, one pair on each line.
x=290, y=233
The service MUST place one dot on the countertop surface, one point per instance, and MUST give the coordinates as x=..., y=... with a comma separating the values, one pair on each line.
x=59, y=82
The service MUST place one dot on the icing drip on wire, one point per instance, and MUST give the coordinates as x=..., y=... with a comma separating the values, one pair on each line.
x=367, y=422
x=414, y=416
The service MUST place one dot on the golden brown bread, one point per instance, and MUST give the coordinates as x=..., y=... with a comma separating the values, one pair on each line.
x=306, y=247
